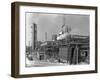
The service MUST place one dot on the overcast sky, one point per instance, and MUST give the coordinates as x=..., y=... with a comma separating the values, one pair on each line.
x=51, y=23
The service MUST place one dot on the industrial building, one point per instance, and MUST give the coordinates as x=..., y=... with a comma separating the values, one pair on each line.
x=63, y=48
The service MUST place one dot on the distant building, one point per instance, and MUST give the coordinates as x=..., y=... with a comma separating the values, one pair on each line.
x=54, y=37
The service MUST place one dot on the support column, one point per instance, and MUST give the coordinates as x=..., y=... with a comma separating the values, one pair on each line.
x=75, y=55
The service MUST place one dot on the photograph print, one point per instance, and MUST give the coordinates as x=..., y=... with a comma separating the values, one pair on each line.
x=56, y=39
x=53, y=39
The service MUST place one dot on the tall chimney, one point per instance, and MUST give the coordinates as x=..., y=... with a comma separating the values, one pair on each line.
x=45, y=36
x=34, y=34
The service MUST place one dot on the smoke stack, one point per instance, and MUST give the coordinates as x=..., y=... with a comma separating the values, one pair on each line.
x=45, y=36
x=34, y=34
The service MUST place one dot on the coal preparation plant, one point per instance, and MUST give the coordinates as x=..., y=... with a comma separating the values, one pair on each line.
x=64, y=48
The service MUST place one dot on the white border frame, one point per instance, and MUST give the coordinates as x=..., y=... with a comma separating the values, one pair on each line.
x=53, y=69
